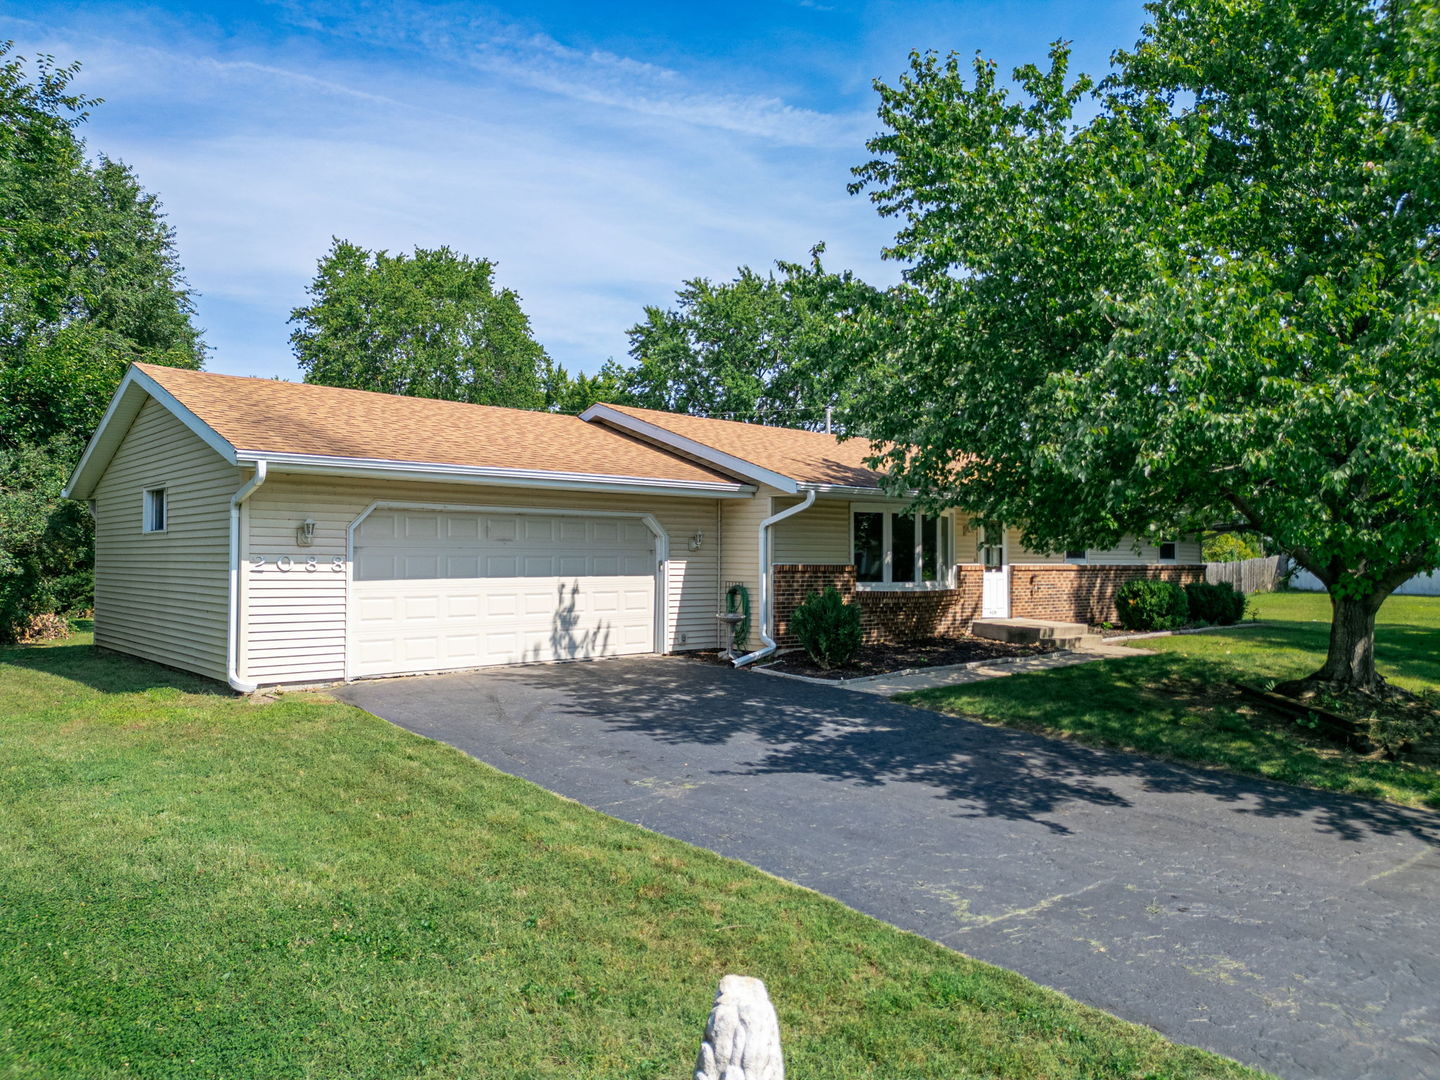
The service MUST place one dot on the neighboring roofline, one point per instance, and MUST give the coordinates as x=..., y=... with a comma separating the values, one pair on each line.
x=439, y=472
x=123, y=408
x=706, y=453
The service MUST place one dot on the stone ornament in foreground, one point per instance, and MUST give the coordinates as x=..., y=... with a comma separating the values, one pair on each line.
x=742, y=1036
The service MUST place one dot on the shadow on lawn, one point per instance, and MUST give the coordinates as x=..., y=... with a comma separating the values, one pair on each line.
x=1395, y=643
x=108, y=672
x=988, y=772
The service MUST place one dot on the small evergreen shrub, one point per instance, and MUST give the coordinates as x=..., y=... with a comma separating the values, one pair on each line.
x=1218, y=605
x=828, y=628
x=1151, y=605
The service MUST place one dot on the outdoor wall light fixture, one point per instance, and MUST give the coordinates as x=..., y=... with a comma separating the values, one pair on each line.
x=305, y=532
x=697, y=540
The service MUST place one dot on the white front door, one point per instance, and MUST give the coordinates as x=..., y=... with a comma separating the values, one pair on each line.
x=995, y=592
x=441, y=589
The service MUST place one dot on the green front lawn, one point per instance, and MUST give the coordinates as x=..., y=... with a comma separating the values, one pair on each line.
x=194, y=885
x=1180, y=705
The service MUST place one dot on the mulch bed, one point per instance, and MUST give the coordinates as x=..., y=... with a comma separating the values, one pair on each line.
x=933, y=652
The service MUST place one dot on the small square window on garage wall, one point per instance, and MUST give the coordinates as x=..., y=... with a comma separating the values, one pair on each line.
x=156, y=510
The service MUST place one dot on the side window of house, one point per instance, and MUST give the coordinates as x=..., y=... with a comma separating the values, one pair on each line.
x=1167, y=551
x=156, y=510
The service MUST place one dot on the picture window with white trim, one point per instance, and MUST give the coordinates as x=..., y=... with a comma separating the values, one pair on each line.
x=157, y=510
x=900, y=549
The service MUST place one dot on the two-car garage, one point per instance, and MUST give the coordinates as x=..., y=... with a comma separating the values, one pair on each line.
x=440, y=588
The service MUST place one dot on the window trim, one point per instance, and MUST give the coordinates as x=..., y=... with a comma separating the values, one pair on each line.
x=147, y=496
x=1174, y=555
x=944, y=549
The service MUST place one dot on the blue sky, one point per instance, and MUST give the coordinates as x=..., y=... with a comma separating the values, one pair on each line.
x=601, y=154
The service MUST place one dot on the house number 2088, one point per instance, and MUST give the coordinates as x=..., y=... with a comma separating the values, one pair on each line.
x=285, y=563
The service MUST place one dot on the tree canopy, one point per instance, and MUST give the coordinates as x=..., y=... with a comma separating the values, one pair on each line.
x=89, y=281
x=758, y=348
x=89, y=278
x=1212, y=303
x=431, y=324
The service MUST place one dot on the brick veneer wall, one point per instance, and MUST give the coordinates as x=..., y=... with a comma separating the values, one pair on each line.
x=884, y=615
x=1061, y=591
x=1075, y=593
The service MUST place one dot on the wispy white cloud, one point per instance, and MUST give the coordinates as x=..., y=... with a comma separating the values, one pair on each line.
x=597, y=182
x=595, y=76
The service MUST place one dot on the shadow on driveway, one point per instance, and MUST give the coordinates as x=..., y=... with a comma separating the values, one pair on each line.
x=1294, y=930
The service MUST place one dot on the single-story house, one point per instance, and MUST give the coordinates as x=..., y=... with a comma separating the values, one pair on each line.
x=263, y=532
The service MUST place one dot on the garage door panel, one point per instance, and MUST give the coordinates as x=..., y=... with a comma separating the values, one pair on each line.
x=462, y=566
x=463, y=527
x=501, y=529
x=420, y=527
x=435, y=590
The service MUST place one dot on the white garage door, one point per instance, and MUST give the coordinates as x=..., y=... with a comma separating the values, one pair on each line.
x=445, y=589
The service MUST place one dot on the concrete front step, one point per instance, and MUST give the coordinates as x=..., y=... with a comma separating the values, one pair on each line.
x=1063, y=635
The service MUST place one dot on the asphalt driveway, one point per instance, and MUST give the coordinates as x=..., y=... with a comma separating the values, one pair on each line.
x=1294, y=931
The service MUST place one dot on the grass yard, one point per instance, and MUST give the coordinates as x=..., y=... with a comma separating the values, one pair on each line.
x=195, y=886
x=1179, y=705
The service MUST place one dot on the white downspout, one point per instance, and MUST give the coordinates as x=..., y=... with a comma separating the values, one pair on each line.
x=769, y=645
x=232, y=638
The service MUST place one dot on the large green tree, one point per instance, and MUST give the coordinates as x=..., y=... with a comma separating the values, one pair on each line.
x=89, y=281
x=1200, y=293
x=567, y=393
x=431, y=324
x=758, y=348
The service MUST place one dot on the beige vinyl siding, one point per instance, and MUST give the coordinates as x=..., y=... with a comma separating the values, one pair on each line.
x=820, y=535
x=740, y=559
x=1125, y=553
x=295, y=626
x=165, y=595
x=1016, y=552
x=1122, y=554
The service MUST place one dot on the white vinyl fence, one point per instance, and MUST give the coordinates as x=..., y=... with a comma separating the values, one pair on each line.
x=1419, y=585
x=1249, y=575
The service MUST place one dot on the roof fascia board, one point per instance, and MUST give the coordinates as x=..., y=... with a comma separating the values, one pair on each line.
x=708, y=454
x=133, y=381
x=383, y=469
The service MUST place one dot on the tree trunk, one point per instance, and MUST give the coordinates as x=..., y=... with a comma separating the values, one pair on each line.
x=1350, y=662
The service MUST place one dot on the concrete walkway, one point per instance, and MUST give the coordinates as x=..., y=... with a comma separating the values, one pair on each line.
x=1291, y=929
x=954, y=675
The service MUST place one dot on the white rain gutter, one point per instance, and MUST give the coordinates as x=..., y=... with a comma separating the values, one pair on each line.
x=232, y=637
x=766, y=604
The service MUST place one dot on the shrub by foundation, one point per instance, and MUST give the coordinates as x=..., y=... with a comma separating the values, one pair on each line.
x=828, y=628
x=1151, y=605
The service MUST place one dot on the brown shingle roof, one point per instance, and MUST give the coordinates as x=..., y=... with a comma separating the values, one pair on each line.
x=266, y=416
x=808, y=457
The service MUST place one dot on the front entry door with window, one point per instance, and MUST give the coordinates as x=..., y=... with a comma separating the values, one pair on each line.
x=995, y=593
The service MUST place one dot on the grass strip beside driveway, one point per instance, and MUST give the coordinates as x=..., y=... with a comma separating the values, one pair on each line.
x=1181, y=705
x=193, y=885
